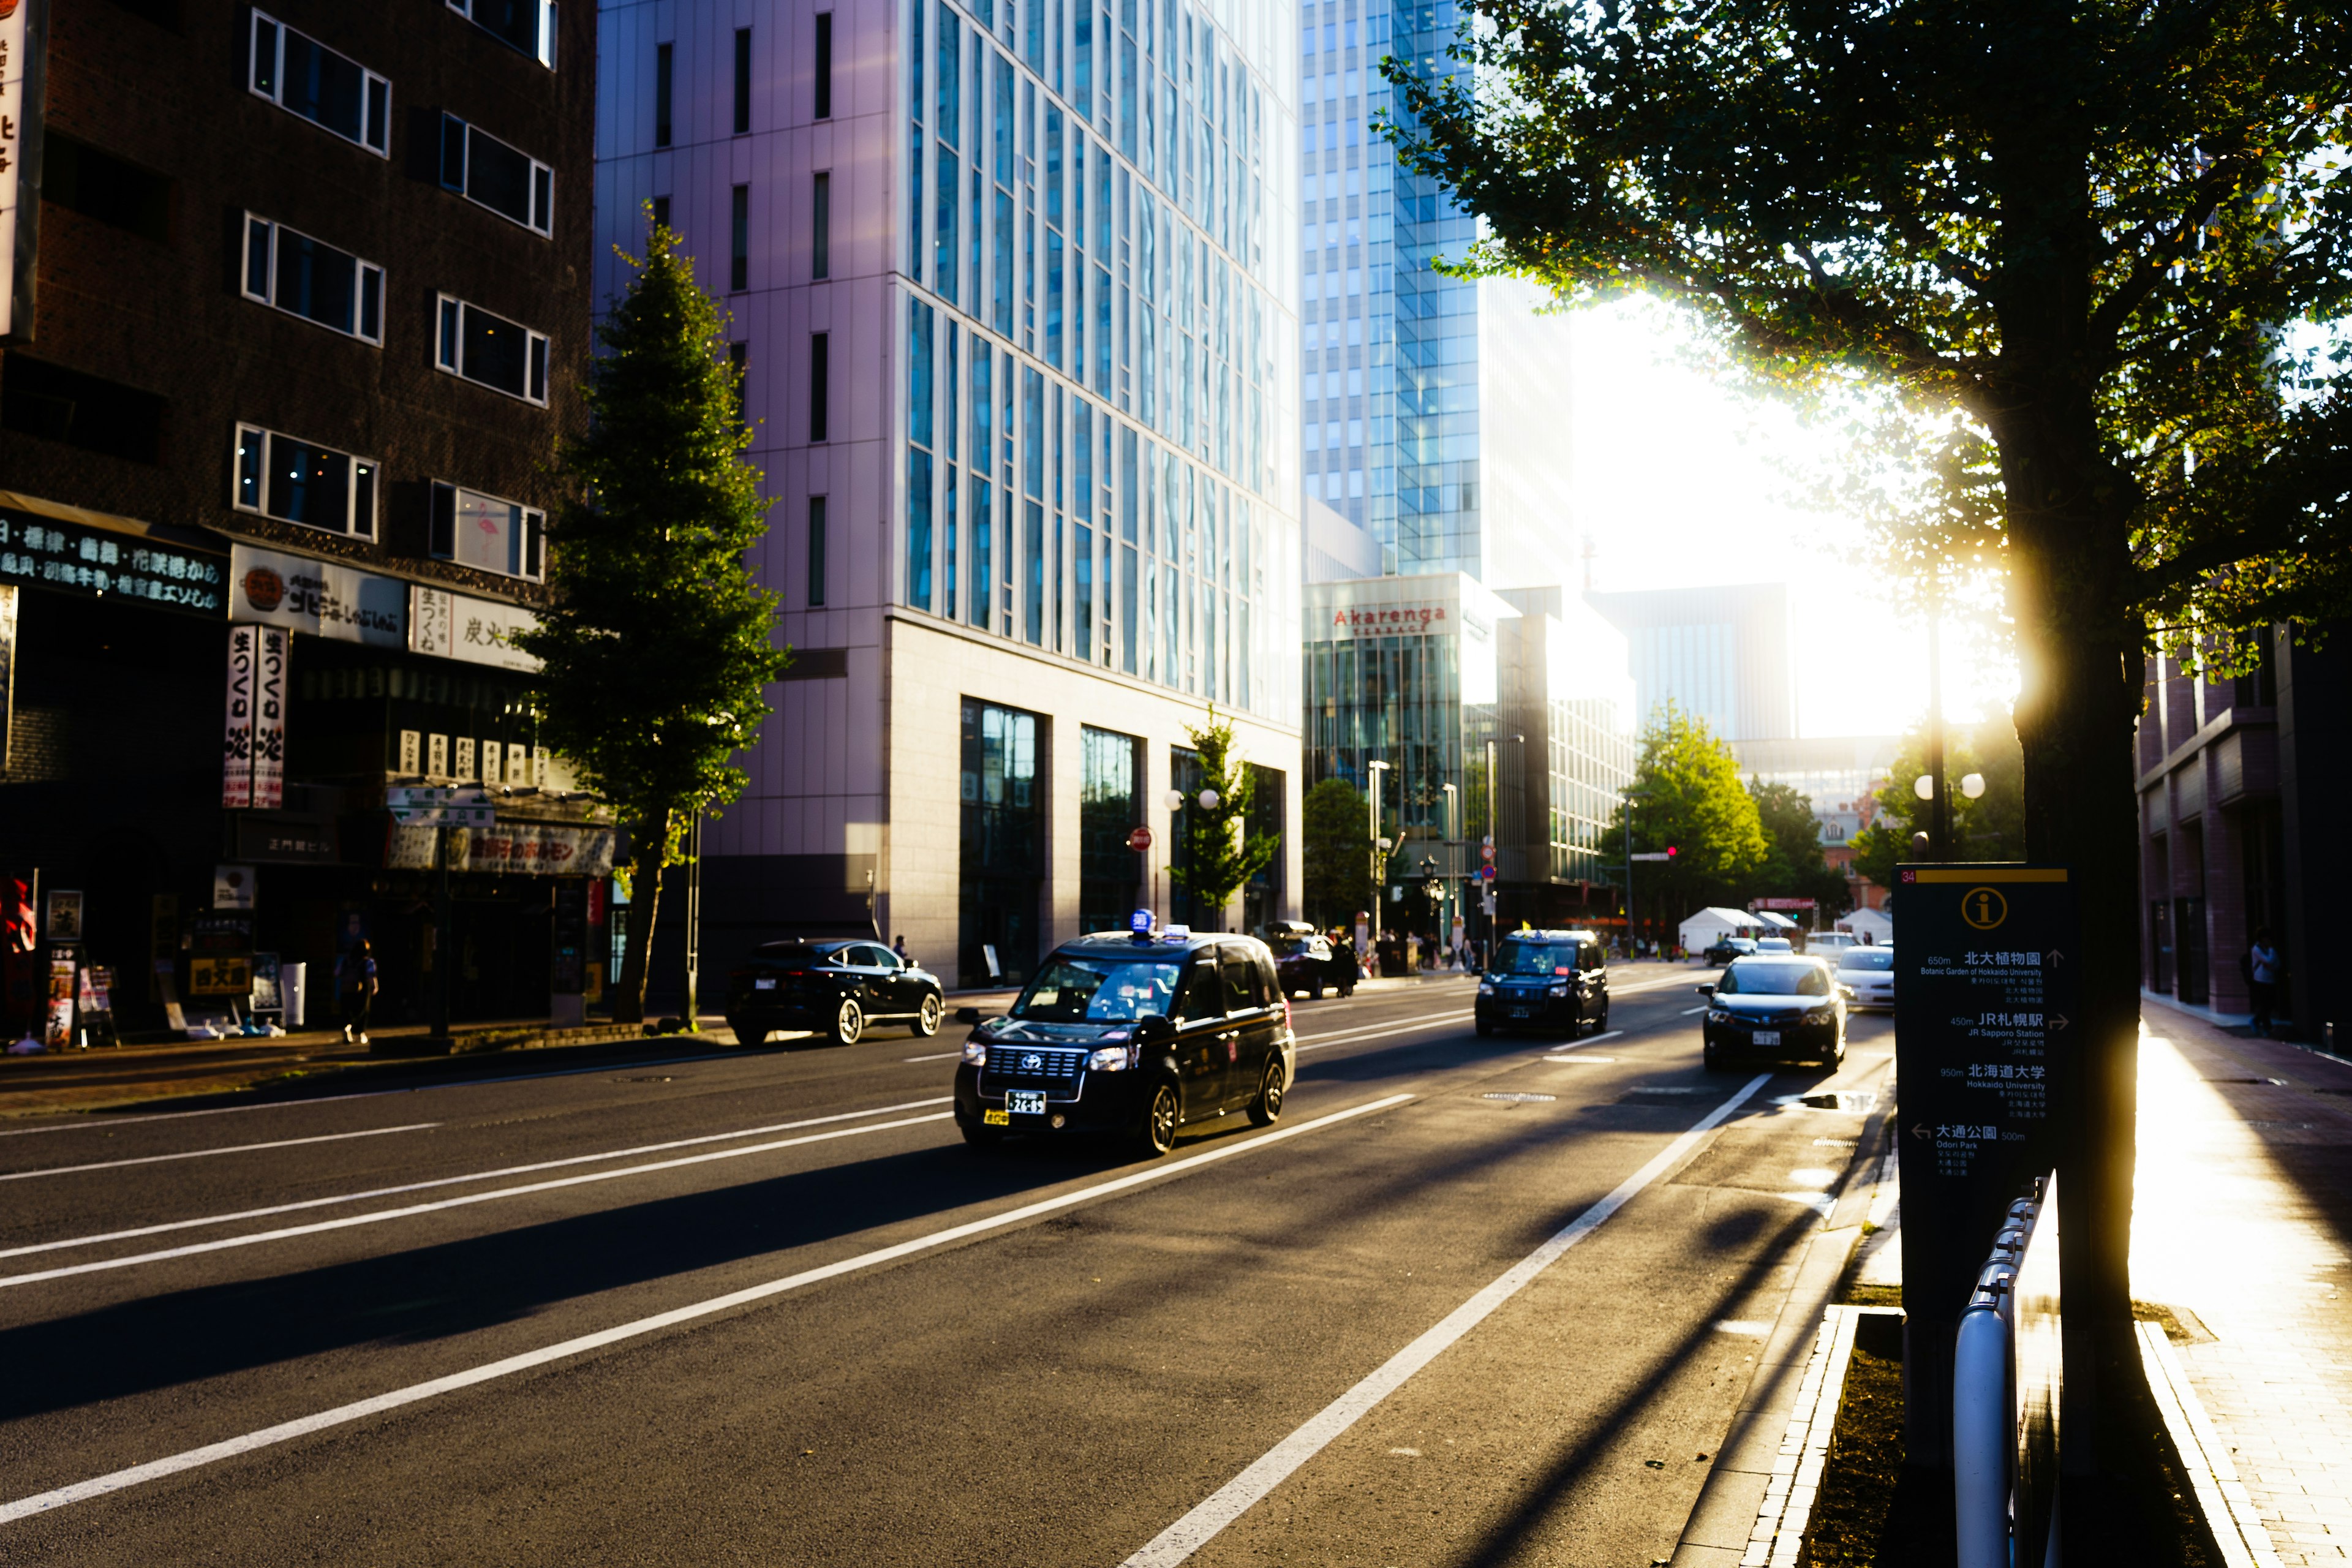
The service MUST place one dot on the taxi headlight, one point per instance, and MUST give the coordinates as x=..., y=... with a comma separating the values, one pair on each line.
x=1485, y=988
x=1560, y=990
x=976, y=1052
x=1112, y=1058
x=1821, y=1015
x=1718, y=1015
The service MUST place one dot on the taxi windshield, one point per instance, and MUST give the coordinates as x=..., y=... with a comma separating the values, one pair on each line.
x=1866, y=958
x=1774, y=979
x=1535, y=958
x=1071, y=990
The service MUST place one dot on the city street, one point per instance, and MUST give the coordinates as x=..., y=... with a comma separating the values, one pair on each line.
x=766, y=1307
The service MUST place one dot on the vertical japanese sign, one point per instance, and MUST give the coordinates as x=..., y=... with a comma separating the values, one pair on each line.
x=8, y=666
x=270, y=718
x=1985, y=1068
x=237, y=745
x=23, y=37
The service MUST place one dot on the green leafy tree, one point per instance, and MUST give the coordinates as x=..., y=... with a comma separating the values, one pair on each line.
x=1686, y=797
x=1792, y=866
x=1988, y=827
x=1220, y=853
x=1337, y=853
x=2081, y=230
x=658, y=646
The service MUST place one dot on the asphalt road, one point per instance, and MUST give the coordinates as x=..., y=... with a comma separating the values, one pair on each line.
x=766, y=1307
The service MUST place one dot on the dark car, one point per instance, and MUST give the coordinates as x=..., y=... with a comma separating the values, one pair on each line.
x=1775, y=1006
x=1551, y=980
x=1729, y=948
x=837, y=987
x=1134, y=1036
x=1303, y=960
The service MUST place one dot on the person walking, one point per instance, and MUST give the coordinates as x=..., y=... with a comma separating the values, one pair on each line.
x=1344, y=969
x=2263, y=971
x=356, y=989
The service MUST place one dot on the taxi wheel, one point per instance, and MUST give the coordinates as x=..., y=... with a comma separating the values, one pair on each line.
x=1155, y=1133
x=1266, y=1109
x=926, y=1020
x=1484, y=1029
x=1713, y=1060
x=1315, y=992
x=1601, y=1022
x=848, y=1023
x=746, y=1035
x=980, y=1137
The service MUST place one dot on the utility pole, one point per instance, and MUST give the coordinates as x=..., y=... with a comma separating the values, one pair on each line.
x=1939, y=802
x=693, y=1019
x=1379, y=860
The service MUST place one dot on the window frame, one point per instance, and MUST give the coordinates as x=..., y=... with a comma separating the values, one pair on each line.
x=544, y=54
x=449, y=359
x=361, y=268
x=543, y=176
x=532, y=520
x=369, y=80
x=372, y=481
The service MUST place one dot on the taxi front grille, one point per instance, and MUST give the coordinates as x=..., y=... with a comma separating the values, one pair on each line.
x=1029, y=1066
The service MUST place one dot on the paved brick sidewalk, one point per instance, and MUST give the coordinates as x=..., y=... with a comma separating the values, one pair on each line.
x=2243, y=1227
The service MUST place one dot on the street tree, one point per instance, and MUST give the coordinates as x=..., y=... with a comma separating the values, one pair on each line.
x=657, y=646
x=1337, y=853
x=2083, y=231
x=1686, y=797
x=1793, y=866
x=1220, y=852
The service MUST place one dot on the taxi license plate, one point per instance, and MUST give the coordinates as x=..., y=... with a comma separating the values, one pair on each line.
x=995, y=1118
x=1523, y=1011
x=1025, y=1102
x=1768, y=1036
x=764, y=984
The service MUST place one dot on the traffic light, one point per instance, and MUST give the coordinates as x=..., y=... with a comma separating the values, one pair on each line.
x=1671, y=851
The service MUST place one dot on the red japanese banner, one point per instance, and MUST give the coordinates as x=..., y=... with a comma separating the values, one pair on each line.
x=236, y=747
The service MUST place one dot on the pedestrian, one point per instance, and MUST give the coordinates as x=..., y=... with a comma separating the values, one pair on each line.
x=1344, y=970
x=355, y=988
x=2263, y=971
x=899, y=946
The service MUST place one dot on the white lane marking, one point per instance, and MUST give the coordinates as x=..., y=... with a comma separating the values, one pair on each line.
x=349, y=1221
x=457, y=1181
x=1189, y=1533
x=208, y=1153
x=1688, y=1011
x=1579, y=1061
x=1612, y=1034
x=1373, y=1032
x=941, y=1056
x=118, y=1480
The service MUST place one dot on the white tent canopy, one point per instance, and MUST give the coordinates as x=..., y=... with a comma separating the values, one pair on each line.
x=1711, y=924
x=1781, y=924
x=1875, y=926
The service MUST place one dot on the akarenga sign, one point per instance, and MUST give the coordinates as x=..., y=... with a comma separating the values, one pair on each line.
x=529, y=848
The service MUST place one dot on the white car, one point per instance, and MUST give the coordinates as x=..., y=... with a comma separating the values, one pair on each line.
x=1829, y=944
x=1780, y=944
x=1869, y=973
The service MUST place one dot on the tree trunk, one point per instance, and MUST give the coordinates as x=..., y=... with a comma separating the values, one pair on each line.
x=644, y=895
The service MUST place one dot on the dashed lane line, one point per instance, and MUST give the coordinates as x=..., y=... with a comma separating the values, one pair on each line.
x=342, y=1415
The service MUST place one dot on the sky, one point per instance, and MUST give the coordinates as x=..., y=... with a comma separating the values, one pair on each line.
x=1679, y=482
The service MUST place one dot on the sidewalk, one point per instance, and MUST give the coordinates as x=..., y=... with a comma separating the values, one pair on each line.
x=2243, y=1231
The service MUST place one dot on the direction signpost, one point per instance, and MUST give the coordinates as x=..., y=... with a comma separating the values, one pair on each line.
x=1985, y=1079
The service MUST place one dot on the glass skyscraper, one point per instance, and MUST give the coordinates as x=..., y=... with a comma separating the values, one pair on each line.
x=1012, y=286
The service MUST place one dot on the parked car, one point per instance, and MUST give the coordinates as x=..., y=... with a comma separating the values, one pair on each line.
x=835, y=988
x=1786, y=1008
x=1135, y=1036
x=1869, y=973
x=1551, y=980
x=1304, y=962
x=1729, y=948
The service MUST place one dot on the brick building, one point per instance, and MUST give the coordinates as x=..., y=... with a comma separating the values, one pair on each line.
x=303, y=318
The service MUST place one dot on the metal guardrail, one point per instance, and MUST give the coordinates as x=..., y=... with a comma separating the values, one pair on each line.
x=2008, y=1377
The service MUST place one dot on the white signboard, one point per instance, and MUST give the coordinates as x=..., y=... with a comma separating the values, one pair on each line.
x=325, y=598
x=19, y=125
x=459, y=626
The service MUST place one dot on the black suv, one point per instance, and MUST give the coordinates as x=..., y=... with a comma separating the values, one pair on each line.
x=1551, y=980
x=835, y=988
x=1135, y=1035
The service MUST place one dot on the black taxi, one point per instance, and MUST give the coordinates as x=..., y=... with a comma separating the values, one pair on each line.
x=1134, y=1035
x=1556, y=981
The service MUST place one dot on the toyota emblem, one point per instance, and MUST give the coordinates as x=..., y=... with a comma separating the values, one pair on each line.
x=1032, y=1062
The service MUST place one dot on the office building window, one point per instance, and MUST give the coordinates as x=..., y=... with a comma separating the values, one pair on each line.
x=821, y=228
x=487, y=532
x=525, y=25
x=488, y=173
x=819, y=377
x=491, y=350
x=816, y=553
x=742, y=80
x=97, y=184
x=824, y=65
x=661, y=212
x=302, y=76
x=296, y=481
x=738, y=254
x=311, y=278
x=664, y=61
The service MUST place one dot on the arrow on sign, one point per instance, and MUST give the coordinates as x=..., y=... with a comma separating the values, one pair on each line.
x=1921, y=1132
x=2057, y=1022
x=2057, y=958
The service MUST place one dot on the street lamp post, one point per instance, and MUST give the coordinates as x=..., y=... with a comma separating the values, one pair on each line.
x=1453, y=834
x=1174, y=801
x=1379, y=845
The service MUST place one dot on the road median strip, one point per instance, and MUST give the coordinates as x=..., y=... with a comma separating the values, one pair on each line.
x=342, y=1415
